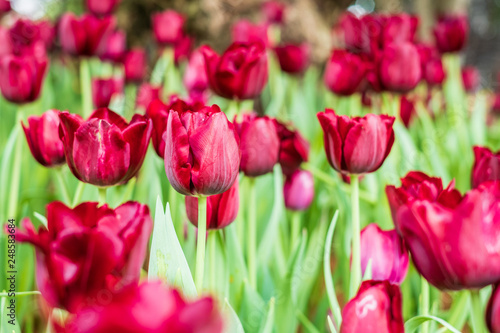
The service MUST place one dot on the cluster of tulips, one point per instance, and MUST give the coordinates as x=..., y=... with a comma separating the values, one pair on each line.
x=392, y=104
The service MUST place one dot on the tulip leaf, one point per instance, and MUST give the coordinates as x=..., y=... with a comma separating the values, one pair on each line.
x=5, y=168
x=330, y=324
x=5, y=325
x=458, y=311
x=268, y=323
x=233, y=323
x=41, y=218
x=166, y=257
x=327, y=271
x=236, y=262
x=478, y=120
x=412, y=324
x=309, y=327
x=252, y=310
x=368, y=271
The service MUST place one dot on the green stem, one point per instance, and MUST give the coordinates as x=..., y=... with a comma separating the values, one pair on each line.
x=86, y=87
x=62, y=185
x=476, y=312
x=212, y=240
x=16, y=171
x=172, y=200
x=295, y=232
x=200, y=249
x=102, y=195
x=252, y=234
x=356, y=238
x=78, y=193
x=424, y=302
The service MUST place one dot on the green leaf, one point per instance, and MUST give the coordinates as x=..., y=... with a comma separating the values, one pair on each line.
x=41, y=218
x=412, y=324
x=309, y=327
x=253, y=309
x=233, y=323
x=5, y=168
x=478, y=121
x=331, y=325
x=5, y=326
x=268, y=324
x=327, y=271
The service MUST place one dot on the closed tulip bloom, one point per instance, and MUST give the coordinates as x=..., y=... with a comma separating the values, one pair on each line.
x=115, y=47
x=259, y=143
x=399, y=28
x=356, y=145
x=47, y=33
x=42, y=134
x=102, y=7
x=451, y=33
x=182, y=49
x=84, y=35
x=486, y=166
x=168, y=27
x=433, y=72
x=104, y=150
x=195, y=76
x=344, y=72
x=146, y=94
x=135, y=64
x=293, y=58
x=470, y=78
x=298, y=190
x=399, y=68
x=273, y=11
x=386, y=252
x=377, y=307
x=240, y=73
x=202, y=155
x=353, y=33
x=245, y=31
x=406, y=110
x=103, y=90
x=222, y=209
x=25, y=38
x=87, y=250
x=4, y=6
x=493, y=311
x=294, y=149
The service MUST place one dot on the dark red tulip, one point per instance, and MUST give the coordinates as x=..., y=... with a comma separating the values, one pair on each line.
x=486, y=166
x=433, y=73
x=356, y=145
x=84, y=35
x=398, y=28
x=182, y=49
x=293, y=58
x=386, y=252
x=88, y=251
x=352, y=28
x=298, y=190
x=496, y=104
x=42, y=135
x=25, y=39
x=493, y=311
x=195, y=76
x=240, y=73
x=102, y=7
x=451, y=33
x=103, y=90
x=245, y=31
x=150, y=307
x=399, y=67
x=471, y=78
x=344, y=72
x=406, y=110
x=168, y=27
x=4, y=6
x=273, y=12
x=294, y=149
x=222, y=209
x=135, y=64
x=47, y=33
x=146, y=94
x=259, y=143
x=115, y=47
x=377, y=307
x=202, y=155
x=21, y=77
x=104, y=150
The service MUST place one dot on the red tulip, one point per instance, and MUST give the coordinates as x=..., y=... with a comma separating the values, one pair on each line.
x=168, y=27
x=146, y=94
x=42, y=135
x=88, y=251
x=273, y=12
x=486, y=166
x=386, y=252
x=245, y=31
x=434, y=73
x=222, y=209
x=115, y=47
x=293, y=58
x=493, y=311
x=103, y=90
x=451, y=33
x=260, y=144
x=102, y=7
x=135, y=64
x=25, y=39
x=298, y=190
x=355, y=38
x=294, y=149
x=84, y=35
x=399, y=28
x=21, y=77
x=202, y=155
x=375, y=308
x=406, y=110
x=150, y=307
x=195, y=76
x=4, y=6
x=344, y=72
x=240, y=73
x=104, y=150
x=399, y=67
x=470, y=78
x=182, y=49
x=356, y=145
x=47, y=33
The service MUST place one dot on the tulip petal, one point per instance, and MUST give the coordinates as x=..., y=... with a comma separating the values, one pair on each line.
x=137, y=135
x=332, y=139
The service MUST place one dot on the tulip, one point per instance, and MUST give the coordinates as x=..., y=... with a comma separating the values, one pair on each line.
x=376, y=308
x=115, y=47
x=399, y=68
x=182, y=49
x=433, y=72
x=260, y=144
x=293, y=59
x=451, y=33
x=351, y=28
x=386, y=252
x=42, y=135
x=195, y=76
x=47, y=33
x=222, y=209
x=146, y=94
x=135, y=63
x=245, y=31
x=273, y=12
x=294, y=149
x=356, y=145
x=240, y=73
x=486, y=166
x=470, y=78
x=406, y=110
x=202, y=155
x=493, y=311
x=83, y=36
x=87, y=251
x=4, y=6
x=168, y=27
x=21, y=77
x=399, y=28
x=298, y=190
x=149, y=307
x=25, y=39
x=103, y=90
x=102, y=7
x=104, y=150
x=344, y=72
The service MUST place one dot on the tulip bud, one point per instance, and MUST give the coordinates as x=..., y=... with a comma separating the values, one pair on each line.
x=259, y=143
x=103, y=90
x=42, y=135
x=294, y=149
x=245, y=31
x=25, y=39
x=386, y=252
x=293, y=59
x=451, y=33
x=273, y=12
x=222, y=209
x=135, y=63
x=182, y=49
x=114, y=48
x=298, y=190
x=406, y=110
x=377, y=307
x=47, y=33
x=493, y=311
x=433, y=72
x=399, y=28
x=102, y=7
x=168, y=27
x=344, y=72
x=240, y=73
x=399, y=68
x=486, y=166
x=4, y=6
x=195, y=76
x=146, y=94
x=470, y=78
x=356, y=145
x=104, y=150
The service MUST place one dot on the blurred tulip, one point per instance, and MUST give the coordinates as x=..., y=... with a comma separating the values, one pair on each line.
x=294, y=149
x=298, y=190
x=245, y=31
x=377, y=307
x=470, y=78
x=451, y=33
x=344, y=72
x=135, y=64
x=493, y=311
x=87, y=250
x=486, y=166
x=406, y=110
x=47, y=33
x=356, y=145
x=4, y=6
x=433, y=72
x=103, y=90
x=146, y=94
x=222, y=209
x=259, y=143
x=293, y=58
x=42, y=135
x=202, y=155
x=104, y=150
x=182, y=49
x=102, y=7
x=25, y=39
x=168, y=27
x=115, y=47
x=352, y=31
x=273, y=12
x=399, y=67
x=386, y=252
x=399, y=28
x=240, y=73
x=195, y=76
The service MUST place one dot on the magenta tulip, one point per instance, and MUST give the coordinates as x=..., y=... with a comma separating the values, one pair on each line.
x=293, y=58
x=4, y=6
x=245, y=31
x=294, y=149
x=493, y=311
x=406, y=110
x=471, y=78
x=114, y=48
x=273, y=12
x=344, y=72
x=135, y=64
x=103, y=90
x=146, y=94
x=168, y=27
x=195, y=76
x=486, y=166
x=451, y=33
x=399, y=67
x=102, y=7
x=182, y=49
x=25, y=39
x=298, y=190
